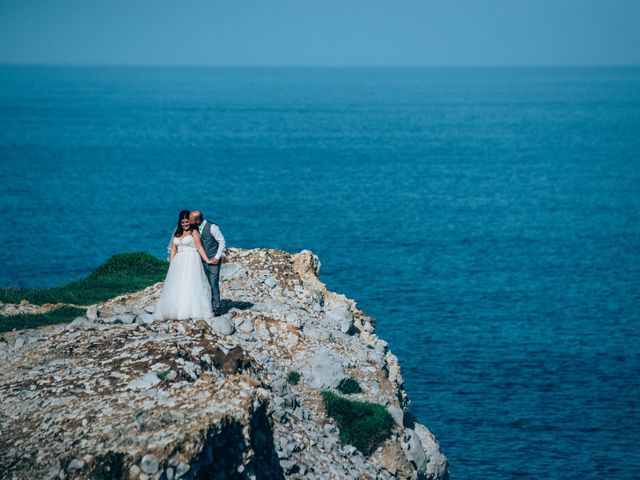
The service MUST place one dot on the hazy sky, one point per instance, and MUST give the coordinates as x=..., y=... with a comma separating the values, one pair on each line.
x=321, y=32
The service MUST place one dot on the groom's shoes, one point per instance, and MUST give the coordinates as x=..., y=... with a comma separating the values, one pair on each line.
x=216, y=313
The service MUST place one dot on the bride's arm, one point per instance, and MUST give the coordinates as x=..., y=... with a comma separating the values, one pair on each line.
x=196, y=239
x=173, y=251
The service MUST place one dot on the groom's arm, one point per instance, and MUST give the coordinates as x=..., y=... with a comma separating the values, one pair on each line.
x=217, y=234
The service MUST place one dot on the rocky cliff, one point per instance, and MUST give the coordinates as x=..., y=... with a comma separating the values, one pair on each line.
x=117, y=395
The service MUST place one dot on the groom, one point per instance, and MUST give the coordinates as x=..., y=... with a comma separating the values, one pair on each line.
x=213, y=243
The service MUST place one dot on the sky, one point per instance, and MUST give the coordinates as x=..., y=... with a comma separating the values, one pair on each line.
x=321, y=32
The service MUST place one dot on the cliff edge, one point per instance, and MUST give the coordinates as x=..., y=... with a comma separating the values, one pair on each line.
x=116, y=395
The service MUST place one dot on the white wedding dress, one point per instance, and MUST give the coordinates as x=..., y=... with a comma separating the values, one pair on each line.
x=186, y=292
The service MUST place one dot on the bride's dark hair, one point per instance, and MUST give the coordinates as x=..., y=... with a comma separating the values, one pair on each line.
x=183, y=214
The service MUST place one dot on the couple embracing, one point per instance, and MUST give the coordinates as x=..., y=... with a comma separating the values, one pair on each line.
x=192, y=286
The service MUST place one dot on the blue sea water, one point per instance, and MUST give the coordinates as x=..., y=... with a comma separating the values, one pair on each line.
x=489, y=219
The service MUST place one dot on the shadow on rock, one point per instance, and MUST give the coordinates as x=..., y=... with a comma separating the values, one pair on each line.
x=225, y=451
x=227, y=305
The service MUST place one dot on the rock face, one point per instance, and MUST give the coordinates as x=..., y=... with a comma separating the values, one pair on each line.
x=116, y=395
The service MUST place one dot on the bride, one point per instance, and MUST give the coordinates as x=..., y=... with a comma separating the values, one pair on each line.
x=186, y=292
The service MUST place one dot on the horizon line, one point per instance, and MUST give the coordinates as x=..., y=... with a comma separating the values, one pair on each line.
x=381, y=66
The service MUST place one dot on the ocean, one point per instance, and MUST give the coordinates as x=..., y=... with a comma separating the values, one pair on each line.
x=489, y=219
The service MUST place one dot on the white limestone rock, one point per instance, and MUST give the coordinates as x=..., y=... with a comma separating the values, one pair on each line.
x=171, y=398
x=125, y=317
x=92, y=313
x=271, y=282
x=324, y=370
x=340, y=318
x=397, y=413
x=437, y=466
x=148, y=380
x=414, y=451
x=244, y=325
x=81, y=323
x=149, y=464
x=229, y=271
x=221, y=325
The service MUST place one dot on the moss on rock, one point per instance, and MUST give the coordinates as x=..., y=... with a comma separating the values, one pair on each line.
x=364, y=425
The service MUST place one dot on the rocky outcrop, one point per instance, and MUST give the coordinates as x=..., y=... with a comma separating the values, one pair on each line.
x=115, y=394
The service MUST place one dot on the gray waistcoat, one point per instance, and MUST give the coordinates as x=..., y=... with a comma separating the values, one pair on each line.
x=209, y=243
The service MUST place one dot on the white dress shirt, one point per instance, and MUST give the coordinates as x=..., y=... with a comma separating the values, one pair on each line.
x=217, y=234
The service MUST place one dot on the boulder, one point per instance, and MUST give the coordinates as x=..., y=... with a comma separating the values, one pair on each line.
x=437, y=467
x=324, y=370
x=82, y=323
x=340, y=318
x=231, y=270
x=221, y=325
x=92, y=313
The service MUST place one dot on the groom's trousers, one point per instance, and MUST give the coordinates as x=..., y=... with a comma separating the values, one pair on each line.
x=213, y=275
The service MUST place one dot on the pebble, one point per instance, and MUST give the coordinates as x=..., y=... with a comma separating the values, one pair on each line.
x=271, y=282
x=75, y=464
x=149, y=464
x=134, y=472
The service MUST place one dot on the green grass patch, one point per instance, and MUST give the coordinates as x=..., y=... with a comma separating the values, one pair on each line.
x=348, y=386
x=122, y=273
x=364, y=425
x=293, y=378
x=29, y=320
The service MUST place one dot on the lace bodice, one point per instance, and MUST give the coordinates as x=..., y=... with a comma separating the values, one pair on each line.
x=185, y=243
